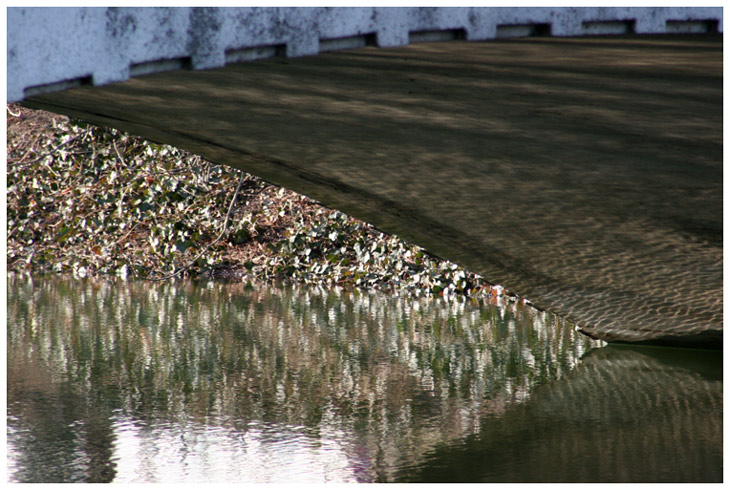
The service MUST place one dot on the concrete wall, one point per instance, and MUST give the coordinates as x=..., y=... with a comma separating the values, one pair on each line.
x=51, y=49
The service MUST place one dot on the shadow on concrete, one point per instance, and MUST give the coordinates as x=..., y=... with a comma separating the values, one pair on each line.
x=584, y=174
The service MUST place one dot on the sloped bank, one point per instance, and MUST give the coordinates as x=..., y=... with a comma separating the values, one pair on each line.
x=94, y=201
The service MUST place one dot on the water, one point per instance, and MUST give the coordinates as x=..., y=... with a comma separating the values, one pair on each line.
x=213, y=382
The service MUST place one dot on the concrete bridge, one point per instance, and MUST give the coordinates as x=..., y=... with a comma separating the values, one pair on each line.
x=573, y=155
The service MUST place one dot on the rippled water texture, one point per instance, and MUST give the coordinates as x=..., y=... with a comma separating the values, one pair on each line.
x=213, y=382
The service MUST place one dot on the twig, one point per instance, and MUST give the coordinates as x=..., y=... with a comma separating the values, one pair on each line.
x=119, y=155
x=118, y=240
x=44, y=155
x=225, y=229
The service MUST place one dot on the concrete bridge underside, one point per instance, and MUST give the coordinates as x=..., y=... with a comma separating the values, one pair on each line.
x=584, y=173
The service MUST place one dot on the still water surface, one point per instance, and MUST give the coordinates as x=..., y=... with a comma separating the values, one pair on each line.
x=219, y=382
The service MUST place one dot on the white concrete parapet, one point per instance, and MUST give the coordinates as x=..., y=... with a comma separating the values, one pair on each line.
x=51, y=49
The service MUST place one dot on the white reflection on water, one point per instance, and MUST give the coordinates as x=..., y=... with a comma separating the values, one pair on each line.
x=221, y=383
x=203, y=453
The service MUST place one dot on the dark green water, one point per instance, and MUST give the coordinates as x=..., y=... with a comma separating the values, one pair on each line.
x=213, y=382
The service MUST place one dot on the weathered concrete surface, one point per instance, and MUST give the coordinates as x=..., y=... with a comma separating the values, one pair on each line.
x=584, y=174
x=50, y=49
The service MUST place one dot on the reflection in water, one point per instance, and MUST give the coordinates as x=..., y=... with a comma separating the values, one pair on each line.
x=625, y=414
x=125, y=381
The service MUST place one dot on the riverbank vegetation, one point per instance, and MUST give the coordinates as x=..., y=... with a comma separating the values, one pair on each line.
x=92, y=201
